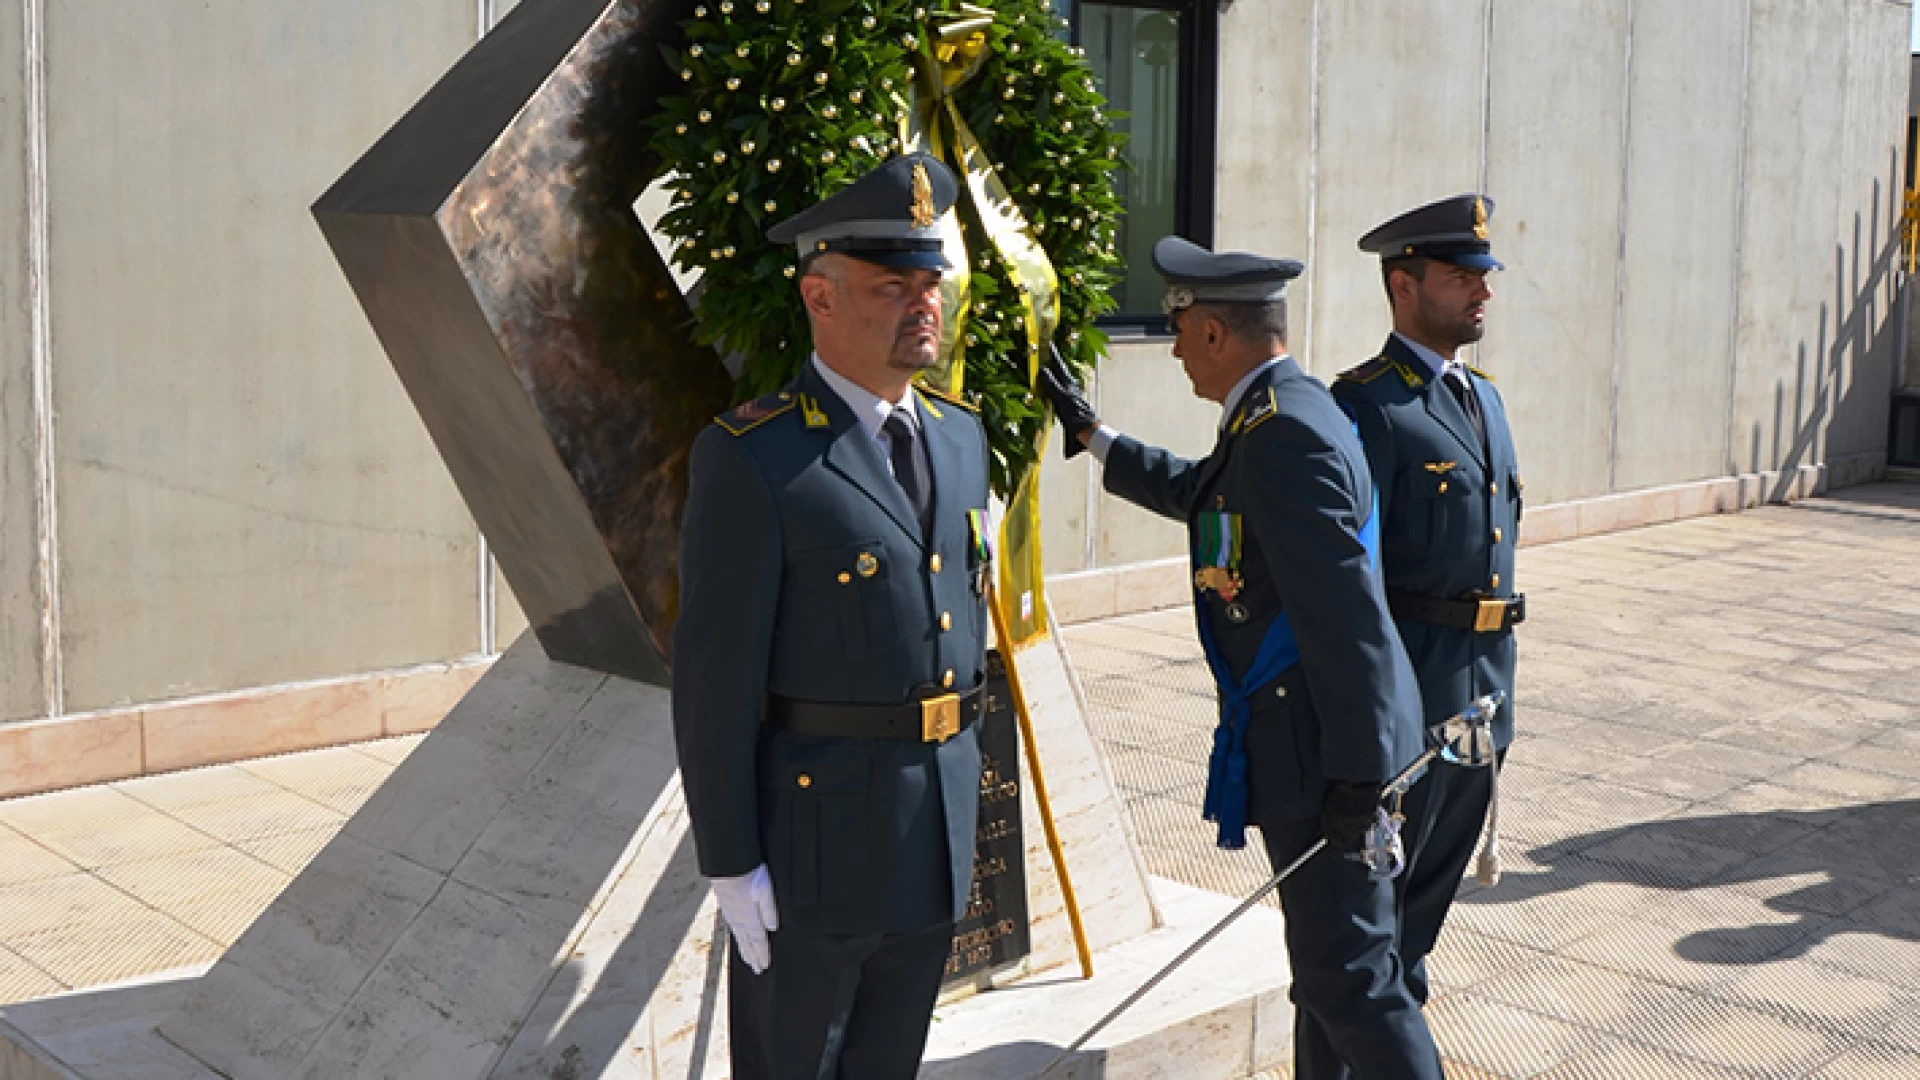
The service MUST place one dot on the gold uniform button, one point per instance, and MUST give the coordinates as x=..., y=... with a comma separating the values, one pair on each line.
x=845, y=577
x=866, y=564
x=1498, y=535
x=933, y=563
x=946, y=620
x=1443, y=487
x=946, y=681
x=1493, y=488
x=804, y=780
x=1496, y=581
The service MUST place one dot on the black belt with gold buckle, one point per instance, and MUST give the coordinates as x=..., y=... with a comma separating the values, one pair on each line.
x=934, y=718
x=1480, y=614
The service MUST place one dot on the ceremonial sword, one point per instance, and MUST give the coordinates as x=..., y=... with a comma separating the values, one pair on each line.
x=1464, y=739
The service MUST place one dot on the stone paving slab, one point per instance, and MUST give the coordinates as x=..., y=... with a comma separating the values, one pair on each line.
x=1712, y=823
x=1712, y=826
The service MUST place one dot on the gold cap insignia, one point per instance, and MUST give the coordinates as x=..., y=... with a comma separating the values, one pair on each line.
x=923, y=210
x=1479, y=218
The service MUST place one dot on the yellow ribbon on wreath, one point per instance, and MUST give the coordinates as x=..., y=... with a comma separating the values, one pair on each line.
x=956, y=51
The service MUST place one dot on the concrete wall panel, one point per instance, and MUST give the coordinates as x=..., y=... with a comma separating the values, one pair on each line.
x=1861, y=367
x=1063, y=504
x=1787, y=324
x=509, y=620
x=1263, y=193
x=1401, y=91
x=22, y=690
x=1145, y=393
x=246, y=494
x=1554, y=167
x=1683, y=225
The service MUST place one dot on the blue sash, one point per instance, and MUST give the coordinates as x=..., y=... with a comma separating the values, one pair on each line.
x=1226, y=800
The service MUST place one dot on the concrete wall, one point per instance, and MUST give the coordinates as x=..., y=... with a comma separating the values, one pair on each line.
x=22, y=687
x=242, y=495
x=1682, y=206
x=1696, y=201
x=1697, y=204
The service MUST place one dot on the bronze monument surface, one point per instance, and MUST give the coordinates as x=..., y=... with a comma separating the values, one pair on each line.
x=490, y=237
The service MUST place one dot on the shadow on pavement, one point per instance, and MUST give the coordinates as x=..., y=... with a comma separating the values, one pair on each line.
x=1851, y=854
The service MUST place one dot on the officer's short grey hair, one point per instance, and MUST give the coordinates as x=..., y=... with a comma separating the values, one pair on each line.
x=1256, y=323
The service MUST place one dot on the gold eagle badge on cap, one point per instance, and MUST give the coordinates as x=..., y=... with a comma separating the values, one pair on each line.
x=923, y=211
x=1479, y=218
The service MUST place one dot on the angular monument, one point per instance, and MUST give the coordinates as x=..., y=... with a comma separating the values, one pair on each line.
x=520, y=898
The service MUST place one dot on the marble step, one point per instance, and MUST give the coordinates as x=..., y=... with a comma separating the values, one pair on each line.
x=1223, y=1016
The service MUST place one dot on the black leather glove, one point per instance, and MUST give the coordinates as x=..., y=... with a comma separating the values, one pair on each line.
x=1070, y=404
x=1347, y=812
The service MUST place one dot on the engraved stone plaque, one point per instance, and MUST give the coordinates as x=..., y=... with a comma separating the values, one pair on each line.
x=994, y=931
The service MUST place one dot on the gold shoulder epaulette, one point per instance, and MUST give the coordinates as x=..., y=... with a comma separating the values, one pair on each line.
x=1478, y=372
x=748, y=415
x=948, y=396
x=1366, y=372
x=1258, y=413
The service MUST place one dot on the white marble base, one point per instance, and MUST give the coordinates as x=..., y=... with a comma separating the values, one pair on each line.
x=1224, y=1016
x=520, y=899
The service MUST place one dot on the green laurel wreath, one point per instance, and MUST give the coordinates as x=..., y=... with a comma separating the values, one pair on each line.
x=785, y=102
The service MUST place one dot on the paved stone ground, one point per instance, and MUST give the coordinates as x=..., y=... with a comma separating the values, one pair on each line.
x=1712, y=817
x=1712, y=813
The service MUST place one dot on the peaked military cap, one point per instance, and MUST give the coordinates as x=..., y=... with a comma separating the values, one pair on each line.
x=1198, y=276
x=1450, y=231
x=887, y=216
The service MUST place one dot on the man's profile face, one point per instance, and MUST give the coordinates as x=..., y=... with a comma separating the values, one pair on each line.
x=1450, y=303
x=898, y=310
x=1195, y=344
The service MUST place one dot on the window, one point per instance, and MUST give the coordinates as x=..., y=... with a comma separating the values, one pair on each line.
x=1156, y=61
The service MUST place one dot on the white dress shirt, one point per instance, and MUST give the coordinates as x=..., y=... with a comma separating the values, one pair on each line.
x=1437, y=364
x=869, y=408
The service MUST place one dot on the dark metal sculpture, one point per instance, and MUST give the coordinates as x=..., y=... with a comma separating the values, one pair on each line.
x=490, y=237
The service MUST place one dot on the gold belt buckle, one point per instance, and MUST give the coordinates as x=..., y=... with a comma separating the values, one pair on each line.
x=939, y=718
x=1490, y=616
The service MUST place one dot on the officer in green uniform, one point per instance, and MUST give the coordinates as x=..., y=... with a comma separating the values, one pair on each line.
x=1318, y=704
x=1436, y=437
x=829, y=656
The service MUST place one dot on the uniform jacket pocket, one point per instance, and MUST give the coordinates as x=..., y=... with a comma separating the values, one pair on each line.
x=851, y=580
x=1436, y=500
x=815, y=798
x=1283, y=752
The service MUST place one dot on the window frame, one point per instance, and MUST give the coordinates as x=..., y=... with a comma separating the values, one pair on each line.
x=1198, y=115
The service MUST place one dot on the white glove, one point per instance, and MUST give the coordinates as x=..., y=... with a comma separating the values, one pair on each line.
x=746, y=902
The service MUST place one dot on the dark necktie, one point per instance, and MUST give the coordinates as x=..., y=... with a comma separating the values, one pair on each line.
x=910, y=468
x=1456, y=380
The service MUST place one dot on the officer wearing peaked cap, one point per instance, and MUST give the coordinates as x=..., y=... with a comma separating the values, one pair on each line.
x=1437, y=439
x=1318, y=704
x=830, y=652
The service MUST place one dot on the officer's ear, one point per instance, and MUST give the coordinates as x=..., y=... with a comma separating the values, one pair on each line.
x=1403, y=278
x=817, y=291
x=1216, y=331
